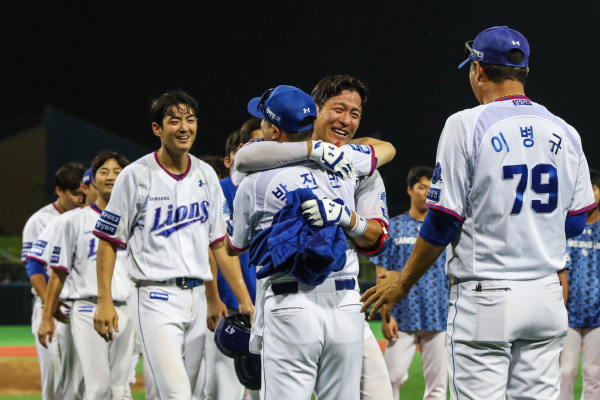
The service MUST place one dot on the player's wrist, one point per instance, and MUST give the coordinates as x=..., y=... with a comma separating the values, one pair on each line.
x=359, y=227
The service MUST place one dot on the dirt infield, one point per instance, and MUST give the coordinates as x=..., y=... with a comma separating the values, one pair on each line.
x=23, y=377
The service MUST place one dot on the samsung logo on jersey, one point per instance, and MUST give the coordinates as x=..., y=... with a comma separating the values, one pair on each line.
x=434, y=194
x=159, y=296
x=178, y=218
x=105, y=228
x=158, y=198
x=36, y=251
x=41, y=243
x=405, y=240
x=521, y=102
x=110, y=217
x=56, y=250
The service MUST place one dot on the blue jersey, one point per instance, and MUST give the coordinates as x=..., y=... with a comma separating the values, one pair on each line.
x=426, y=306
x=248, y=273
x=583, y=303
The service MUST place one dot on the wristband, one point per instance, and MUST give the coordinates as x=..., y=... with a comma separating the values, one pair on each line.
x=360, y=226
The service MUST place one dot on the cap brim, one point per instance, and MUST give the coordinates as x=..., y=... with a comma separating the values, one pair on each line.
x=253, y=108
x=462, y=64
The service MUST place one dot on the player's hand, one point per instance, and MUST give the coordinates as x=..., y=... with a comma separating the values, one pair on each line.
x=247, y=309
x=60, y=315
x=46, y=330
x=215, y=309
x=325, y=212
x=388, y=292
x=106, y=320
x=332, y=158
x=389, y=331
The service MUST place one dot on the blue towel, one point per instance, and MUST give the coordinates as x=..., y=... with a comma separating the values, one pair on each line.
x=291, y=245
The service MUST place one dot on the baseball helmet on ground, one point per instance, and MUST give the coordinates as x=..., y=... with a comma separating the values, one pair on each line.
x=232, y=335
x=247, y=369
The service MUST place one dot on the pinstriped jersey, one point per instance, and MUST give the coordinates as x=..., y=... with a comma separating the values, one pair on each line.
x=166, y=221
x=512, y=172
x=35, y=225
x=75, y=251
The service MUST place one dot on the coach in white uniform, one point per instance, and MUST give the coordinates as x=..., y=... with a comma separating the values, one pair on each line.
x=511, y=183
x=166, y=208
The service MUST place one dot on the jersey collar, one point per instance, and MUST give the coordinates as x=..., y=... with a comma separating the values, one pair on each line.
x=513, y=97
x=177, y=178
x=95, y=208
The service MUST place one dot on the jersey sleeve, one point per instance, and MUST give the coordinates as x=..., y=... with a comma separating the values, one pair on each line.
x=116, y=221
x=583, y=197
x=44, y=247
x=31, y=231
x=218, y=207
x=64, y=247
x=371, y=200
x=239, y=232
x=363, y=158
x=450, y=180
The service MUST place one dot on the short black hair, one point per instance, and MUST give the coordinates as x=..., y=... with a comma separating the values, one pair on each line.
x=416, y=173
x=249, y=126
x=216, y=163
x=595, y=177
x=232, y=144
x=106, y=155
x=69, y=176
x=171, y=101
x=334, y=86
x=501, y=73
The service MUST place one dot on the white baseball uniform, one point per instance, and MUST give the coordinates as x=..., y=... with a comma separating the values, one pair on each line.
x=311, y=340
x=370, y=200
x=105, y=365
x=48, y=358
x=512, y=172
x=168, y=223
x=44, y=251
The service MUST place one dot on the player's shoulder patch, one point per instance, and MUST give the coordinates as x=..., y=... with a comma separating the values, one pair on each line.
x=361, y=148
x=110, y=217
x=434, y=194
x=437, y=174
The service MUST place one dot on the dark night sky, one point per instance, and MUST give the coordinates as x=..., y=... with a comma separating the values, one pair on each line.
x=104, y=62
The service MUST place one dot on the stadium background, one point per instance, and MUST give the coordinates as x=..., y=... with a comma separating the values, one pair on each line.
x=100, y=65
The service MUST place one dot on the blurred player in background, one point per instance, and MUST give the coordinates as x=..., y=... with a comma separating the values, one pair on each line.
x=166, y=208
x=105, y=364
x=583, y=306
x=69, y=191
x=420, y=318
x=510, y=185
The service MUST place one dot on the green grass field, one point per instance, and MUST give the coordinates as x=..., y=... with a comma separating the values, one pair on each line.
x=412, y=390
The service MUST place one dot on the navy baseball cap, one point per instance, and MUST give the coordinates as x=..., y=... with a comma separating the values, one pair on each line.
x=493, y=45
x=88, y=177
x=284, y=106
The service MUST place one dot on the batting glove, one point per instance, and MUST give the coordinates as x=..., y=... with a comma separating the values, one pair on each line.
x=331, y=158
x=325, y=212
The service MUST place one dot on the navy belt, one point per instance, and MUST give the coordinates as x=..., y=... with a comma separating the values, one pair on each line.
x=184, y=283
x=292, y=287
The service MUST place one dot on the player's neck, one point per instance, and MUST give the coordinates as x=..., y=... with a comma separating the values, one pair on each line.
x=497, y=91
x=416, y=214
x=101, y=203
x=61, y=209
x=176, y=163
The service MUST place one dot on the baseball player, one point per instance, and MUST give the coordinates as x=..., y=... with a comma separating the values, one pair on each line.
x=510, y=184
x=166, y=208
x=324, y=355
x=71, y=375
x=219, y=380
x=340, y=99
x=105, y=365
x=420, y=318
x=583, y=275
x=69, y=196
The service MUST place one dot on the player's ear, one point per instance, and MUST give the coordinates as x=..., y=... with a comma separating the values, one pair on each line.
x=409, y=191
x=58, y=191
x=156, y=129
x=276, y=133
